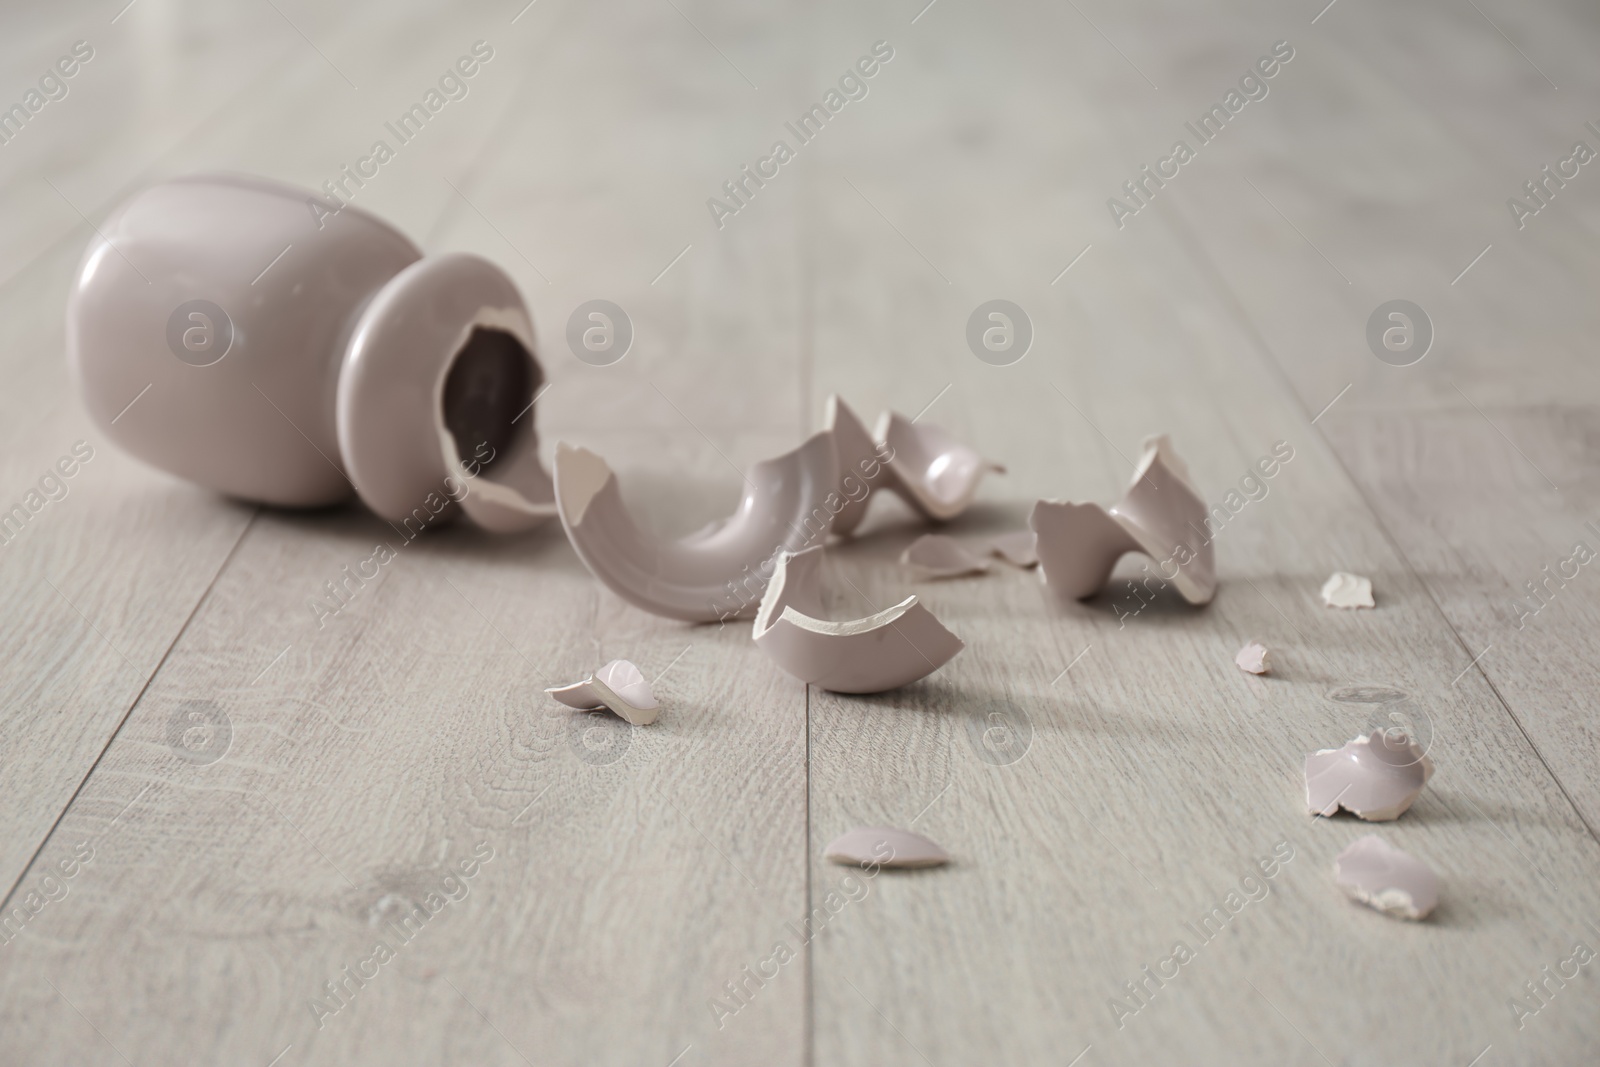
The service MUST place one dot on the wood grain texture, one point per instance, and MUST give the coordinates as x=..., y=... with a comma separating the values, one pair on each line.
x=1156, y=772
x=1101, y=783
x=99, y=571
x=1499, y=548
x=374, y=752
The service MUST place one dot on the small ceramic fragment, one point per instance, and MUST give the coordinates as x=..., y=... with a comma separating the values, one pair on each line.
x=1346, y=590
x=937, y=556
x=886, y=847
x=1020, y=549
x=1160, y=515
x=1381, y=876
x=1375, y=777
x=922, y=464
x=892, y=648
x=1254, y=658
x=619, y=687
x=716, y=573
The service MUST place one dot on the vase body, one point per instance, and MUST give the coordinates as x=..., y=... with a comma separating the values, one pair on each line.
x=207, y=329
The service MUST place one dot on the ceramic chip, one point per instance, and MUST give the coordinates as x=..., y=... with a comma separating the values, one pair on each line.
x=1387, y=879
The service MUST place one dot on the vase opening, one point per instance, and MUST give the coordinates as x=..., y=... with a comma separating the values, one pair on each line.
x=488, y=390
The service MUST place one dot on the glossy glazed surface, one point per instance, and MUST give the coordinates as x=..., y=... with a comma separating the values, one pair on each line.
x=1376, y=777
x=619, y=686
x=277, y=294
x=393, y=431
x=1160, y=515
x=883, y=651
x=717, y=573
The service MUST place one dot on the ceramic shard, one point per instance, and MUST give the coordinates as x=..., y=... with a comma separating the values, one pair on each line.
x=1254, y=658
x=1386, y=878
x=1346, y=590
x=937, y=556
x=1375, y=777
x=861, y=467
x=441, y=361
x=619, y=687
x=1020, y=549
x=717, y=573
x=922, y=464
x=884, y=846
x=891, y=648
x=1160, y=515
x=931, y=470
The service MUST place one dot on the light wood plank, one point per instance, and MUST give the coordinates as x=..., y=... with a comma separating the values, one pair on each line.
x=1157, y=771
x=367, y=756
x=1463, y=493
x=96, y=584
x=388, y=745
x=1430, y=181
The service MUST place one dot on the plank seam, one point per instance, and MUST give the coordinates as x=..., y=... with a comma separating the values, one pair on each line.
x=809, y=1057
x=22, y=876
x=1264, y=351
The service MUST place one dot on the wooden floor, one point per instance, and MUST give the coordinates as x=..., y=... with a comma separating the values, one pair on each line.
x=632, y=875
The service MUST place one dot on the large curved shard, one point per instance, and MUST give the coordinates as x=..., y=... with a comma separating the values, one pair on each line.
x=1160, y=515
x=932, y=471
x=922, y=464
x=716, y=574
x=861, y=466
x=891, y=648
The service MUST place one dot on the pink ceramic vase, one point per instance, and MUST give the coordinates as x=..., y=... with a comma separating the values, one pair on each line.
x=223, y=331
